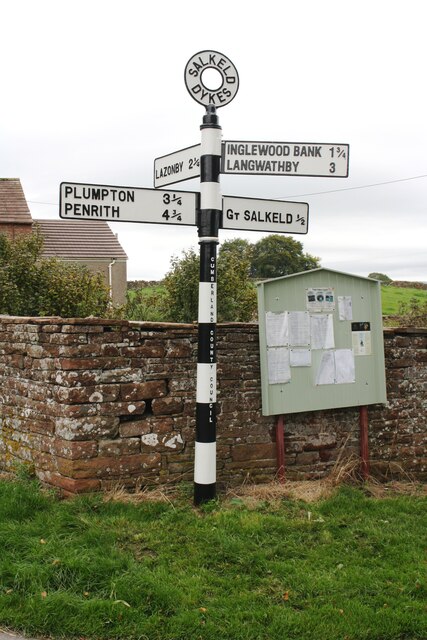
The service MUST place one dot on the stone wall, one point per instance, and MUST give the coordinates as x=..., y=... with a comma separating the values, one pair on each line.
x=94, y=403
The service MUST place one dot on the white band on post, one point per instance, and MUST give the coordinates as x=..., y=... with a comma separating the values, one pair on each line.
x=205, y=463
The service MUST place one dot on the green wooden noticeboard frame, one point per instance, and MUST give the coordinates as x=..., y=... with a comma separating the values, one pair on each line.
x=321, y=342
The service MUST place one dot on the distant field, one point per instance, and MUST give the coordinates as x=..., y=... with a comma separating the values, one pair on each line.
x=393, y=296
x=145, y=292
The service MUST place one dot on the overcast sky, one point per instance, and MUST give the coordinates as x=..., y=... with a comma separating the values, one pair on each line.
x=93, y=91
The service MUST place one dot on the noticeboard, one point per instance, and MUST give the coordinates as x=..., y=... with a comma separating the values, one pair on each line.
x=321, y=342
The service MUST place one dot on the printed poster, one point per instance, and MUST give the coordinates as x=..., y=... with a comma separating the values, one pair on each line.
x=361, y=338
x=320, y=299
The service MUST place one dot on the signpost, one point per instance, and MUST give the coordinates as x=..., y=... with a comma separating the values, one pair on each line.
x=126, y=204
x=212, y=80
x=178, y=166
x=285, y=159
x=276, y=216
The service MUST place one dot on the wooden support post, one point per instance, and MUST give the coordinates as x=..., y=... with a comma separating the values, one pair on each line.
x=364, y=442
x=280, y=448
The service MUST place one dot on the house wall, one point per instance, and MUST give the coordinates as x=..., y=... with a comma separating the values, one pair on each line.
x=92, y=403
x=14, y=231
x=118, y=273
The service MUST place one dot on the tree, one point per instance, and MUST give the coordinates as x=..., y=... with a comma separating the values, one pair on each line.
x=36, y=286
x=277, y=255
x=238, y=262
x=182, y=288
x=238, y=247
x=236, y=299
x=380, y=276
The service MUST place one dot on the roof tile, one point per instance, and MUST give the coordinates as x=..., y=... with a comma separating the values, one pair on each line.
x=13, y=206
x=79, y=239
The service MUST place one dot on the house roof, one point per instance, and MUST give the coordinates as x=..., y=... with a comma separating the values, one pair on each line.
x=73, y=239
x=13, y=206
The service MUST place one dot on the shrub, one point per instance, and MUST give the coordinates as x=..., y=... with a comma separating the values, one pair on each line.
x=35, y=286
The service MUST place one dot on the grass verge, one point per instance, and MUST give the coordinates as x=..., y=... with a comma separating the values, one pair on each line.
x=347, y=567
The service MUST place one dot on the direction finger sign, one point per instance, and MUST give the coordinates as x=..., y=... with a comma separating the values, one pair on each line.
x=127, y=204
x=275, y=216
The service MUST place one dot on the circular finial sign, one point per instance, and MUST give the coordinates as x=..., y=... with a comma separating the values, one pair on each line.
x=211, y=78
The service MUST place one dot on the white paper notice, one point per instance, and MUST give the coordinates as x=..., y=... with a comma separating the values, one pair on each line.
x=336, y=367
x=345, y=309
x=326, y=370
x=299, y=328
x=276, y=327
x=300, y=357
x=344, y=366
x=279, y=370
x=322, y=331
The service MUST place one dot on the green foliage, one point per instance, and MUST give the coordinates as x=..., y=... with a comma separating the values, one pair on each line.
x=277, y=255
x=238, y=263
x=238, y=247
x=182, y=288
x=146, y=304
x=350, y=566
x=237, y=298
x=381, y=277
x=413, y=313
x=36, y=286
x=236, y=293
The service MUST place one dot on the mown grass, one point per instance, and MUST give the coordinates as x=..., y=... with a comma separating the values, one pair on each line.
x=393, y=297
x=348, y=567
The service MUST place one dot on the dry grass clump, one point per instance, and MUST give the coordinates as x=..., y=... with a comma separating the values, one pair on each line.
x=343, y=472
x=141, y=493
x=395, y=488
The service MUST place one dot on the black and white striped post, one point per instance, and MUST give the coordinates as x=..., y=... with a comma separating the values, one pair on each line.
x=208, y=226
x=209, y=221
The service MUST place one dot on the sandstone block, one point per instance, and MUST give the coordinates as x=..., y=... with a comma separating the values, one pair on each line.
x=134, y=428
x=143, y=390
x=70, y=449
x=122, y=409
x=167, y=406
x=69, y=485
x=320, y=441
x=119, y=446
x=89, y=428
x=265, y=451
x=182, y=349
x=108, y=466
